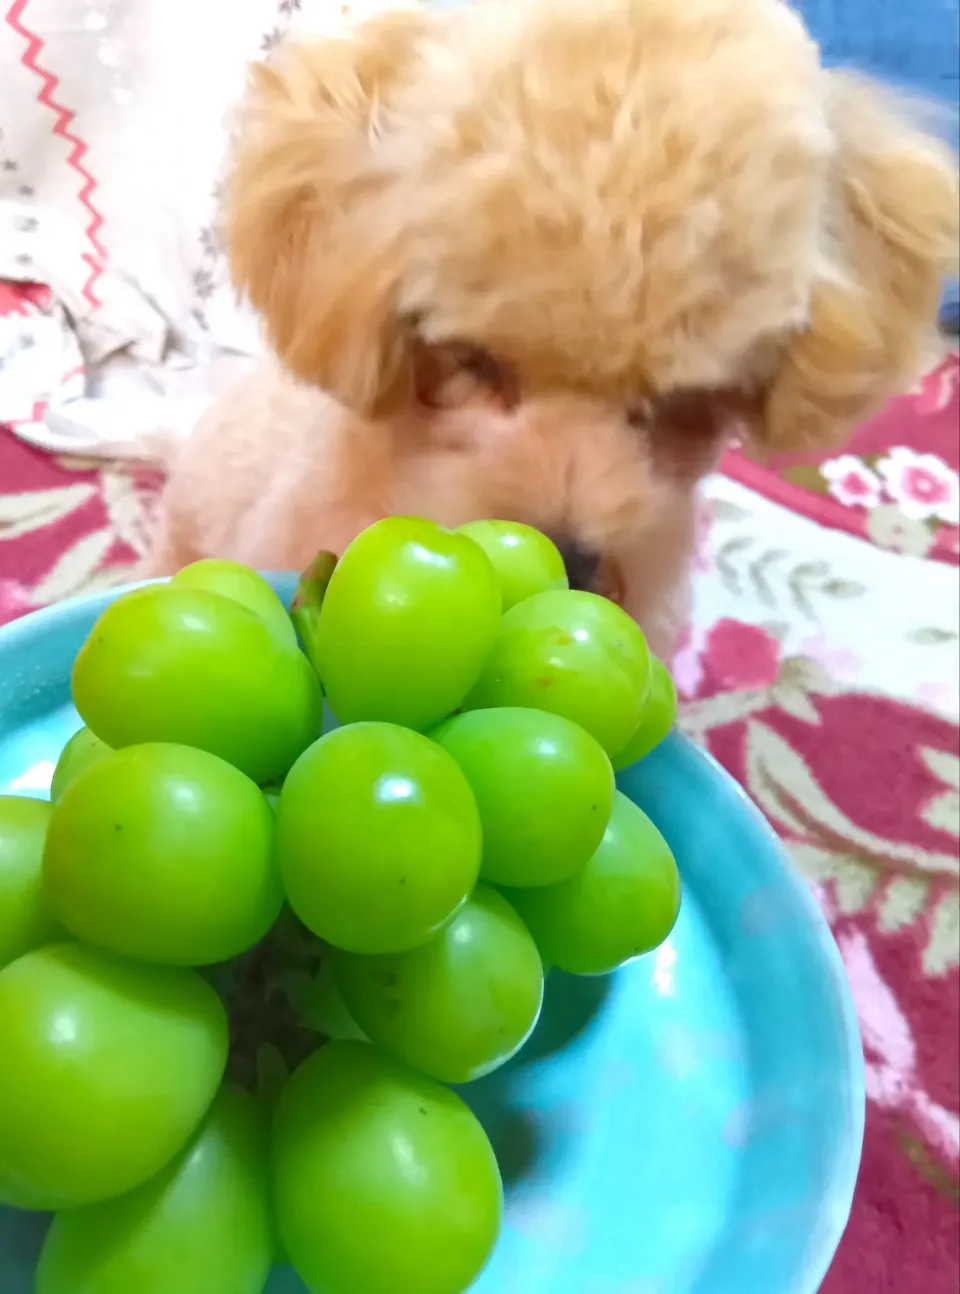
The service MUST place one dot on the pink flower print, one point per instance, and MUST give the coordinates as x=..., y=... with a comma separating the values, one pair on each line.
x=739, y=657
x=850, y=480
x=922, y=485
x=727, y=656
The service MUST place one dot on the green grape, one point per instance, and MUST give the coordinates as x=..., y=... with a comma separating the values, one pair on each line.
x=544, y=788
x=106, y=1069
x=459, y=1006
x=408, y=618
x=656, y=718
x=201, y=1226
x=384, y=1181
x=175, y=664
x=164, y=853
x=243, y=585
x=26, y=921
x=525, y=560
x=378, y=838
x=622, y=904
x=574, y=654
x=83, y=749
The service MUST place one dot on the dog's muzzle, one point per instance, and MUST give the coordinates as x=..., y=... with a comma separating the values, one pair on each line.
x=583, y=565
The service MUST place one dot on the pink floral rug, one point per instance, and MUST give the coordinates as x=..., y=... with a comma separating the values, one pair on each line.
x=866, y=792
x=901, y=496
x=821, y=670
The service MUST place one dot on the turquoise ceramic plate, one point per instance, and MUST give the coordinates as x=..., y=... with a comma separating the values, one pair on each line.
x=690, y=1125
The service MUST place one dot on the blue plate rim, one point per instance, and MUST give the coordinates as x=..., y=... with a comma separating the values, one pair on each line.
x=847, y=1160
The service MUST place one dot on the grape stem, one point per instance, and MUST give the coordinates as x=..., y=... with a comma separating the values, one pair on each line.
x=307, y=601
x=266, y=1022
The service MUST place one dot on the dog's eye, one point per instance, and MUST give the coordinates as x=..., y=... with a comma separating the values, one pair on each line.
x=451, y=373
x=640, y=414
x=496, y=376
x=482, y=365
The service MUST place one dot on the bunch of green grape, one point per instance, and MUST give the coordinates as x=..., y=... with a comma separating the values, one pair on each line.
x=241, y=958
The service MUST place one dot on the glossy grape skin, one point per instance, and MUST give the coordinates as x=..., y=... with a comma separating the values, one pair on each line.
x=82, y=750
x=201, y=1226
x=574, y=654
x=243, y=585
x=384, y=1181
x=656, y=719
x=183, y=665
x=106, y=1069
x=525, y=560
x=622, y=904
x=408, y=618
x=544, y=788
x=26, y=921
x=164, y=853
x=378, y=838
x=459, y=1006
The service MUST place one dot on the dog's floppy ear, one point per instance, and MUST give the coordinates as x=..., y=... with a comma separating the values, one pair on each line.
x=306, y=229
x=888, y=239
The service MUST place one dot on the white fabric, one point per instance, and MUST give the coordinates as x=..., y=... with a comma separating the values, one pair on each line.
x=114, y=119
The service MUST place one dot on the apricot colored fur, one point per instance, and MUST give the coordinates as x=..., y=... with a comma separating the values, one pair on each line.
x=540, y=259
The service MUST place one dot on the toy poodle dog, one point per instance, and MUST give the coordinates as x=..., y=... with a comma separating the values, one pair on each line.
x=539, y=261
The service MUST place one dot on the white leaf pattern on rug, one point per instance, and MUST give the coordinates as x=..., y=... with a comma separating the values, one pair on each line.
x=22, y=513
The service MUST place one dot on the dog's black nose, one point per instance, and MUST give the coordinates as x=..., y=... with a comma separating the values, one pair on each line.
x=582, y=563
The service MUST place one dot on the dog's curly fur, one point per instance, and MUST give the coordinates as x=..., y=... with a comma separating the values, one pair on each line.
x=538, y=260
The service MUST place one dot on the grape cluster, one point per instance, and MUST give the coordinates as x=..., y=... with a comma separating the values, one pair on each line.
x=241, y=958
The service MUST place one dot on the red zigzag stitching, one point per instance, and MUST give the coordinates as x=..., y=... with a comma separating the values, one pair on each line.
x=61, y=128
